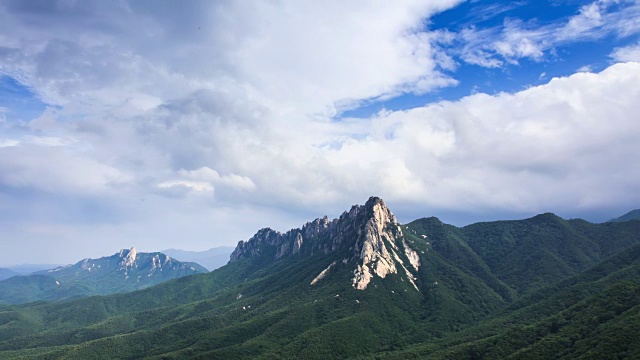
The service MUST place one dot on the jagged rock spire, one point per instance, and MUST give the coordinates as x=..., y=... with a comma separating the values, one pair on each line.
x=370, y=233
x=377, y=246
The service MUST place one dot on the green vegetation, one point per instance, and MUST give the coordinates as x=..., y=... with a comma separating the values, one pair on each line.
x=537, y=288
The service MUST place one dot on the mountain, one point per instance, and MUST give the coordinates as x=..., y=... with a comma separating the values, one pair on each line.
x=7, y=273
x=210, y=259
x=367, y=238
x=364, y=286
x=631, y=215
x=125, y=271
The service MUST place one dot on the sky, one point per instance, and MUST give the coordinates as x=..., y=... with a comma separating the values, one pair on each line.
x=191, y=125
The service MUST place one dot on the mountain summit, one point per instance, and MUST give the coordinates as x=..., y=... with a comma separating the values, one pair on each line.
x=368, y=238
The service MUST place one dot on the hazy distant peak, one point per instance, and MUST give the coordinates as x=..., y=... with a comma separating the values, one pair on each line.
x=126, y=270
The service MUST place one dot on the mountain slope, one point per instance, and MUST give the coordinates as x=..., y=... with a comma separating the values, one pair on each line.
x=631, y=215
x=592, y=315
x=516, y=257
x=125, y=271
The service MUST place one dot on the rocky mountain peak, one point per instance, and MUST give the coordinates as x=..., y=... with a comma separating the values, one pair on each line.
x=369, y=235
x=378, y=245
x=128, y=256
x=381, y=215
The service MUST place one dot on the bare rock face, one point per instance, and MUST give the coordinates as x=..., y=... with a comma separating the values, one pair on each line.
x=374, y=255
x=128, y=257
x=378, y=246
x=297, y=244
x=370, y=235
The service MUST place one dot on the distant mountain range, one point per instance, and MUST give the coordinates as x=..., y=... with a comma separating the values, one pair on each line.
x=125, y=271
x=210, y=259
x=364, y=286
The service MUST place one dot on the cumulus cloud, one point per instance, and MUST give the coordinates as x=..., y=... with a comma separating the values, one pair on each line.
x=490, y=151
x=482, y=152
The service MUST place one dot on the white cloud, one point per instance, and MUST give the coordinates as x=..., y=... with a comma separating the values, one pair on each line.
x=627, y=53
x=493, y=150
x=589, y=18
x=542, y=148
x=8, y=143
x=200, y=186
x=56, y=170
x=206, y=179
x=518, y=43
x=585, y=68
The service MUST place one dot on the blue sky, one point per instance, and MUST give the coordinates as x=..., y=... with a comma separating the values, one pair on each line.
x=562, y=59
x=20, y=102
x=164, y=125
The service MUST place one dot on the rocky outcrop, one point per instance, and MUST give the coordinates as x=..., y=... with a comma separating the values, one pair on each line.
x=322, y=274
x=369, y=235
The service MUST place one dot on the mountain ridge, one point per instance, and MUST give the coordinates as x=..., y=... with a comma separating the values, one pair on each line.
x=631, y=215
x=378, y=239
